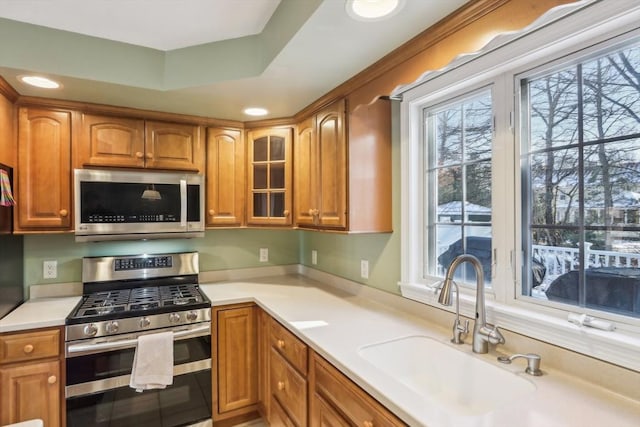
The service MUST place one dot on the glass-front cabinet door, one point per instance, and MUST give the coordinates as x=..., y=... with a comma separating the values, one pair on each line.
x=269, y=176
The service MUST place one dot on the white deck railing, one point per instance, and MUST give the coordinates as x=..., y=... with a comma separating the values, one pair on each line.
x=559, y=260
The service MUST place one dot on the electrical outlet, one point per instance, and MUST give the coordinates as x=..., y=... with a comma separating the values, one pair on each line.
x=364, y=268
x=314, y=257
x=264, y=254
x=50, y=269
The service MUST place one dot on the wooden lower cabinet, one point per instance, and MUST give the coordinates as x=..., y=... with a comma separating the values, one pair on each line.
x=235, y=366
x=338, y=401
x=31, y=378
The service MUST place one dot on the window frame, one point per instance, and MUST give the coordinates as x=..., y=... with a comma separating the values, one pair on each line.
x=573, y=35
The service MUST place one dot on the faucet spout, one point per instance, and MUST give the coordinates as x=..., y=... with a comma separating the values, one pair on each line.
x=483, y=334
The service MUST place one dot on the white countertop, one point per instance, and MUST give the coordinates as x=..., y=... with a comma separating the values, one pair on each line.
x=337, y=324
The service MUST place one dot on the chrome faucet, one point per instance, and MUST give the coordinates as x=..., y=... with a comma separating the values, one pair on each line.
x=483, y=334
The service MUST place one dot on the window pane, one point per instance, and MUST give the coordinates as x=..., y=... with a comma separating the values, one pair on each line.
x=448, y=137
x=553, y=110
x=611, y=94
x=277, y=205
x=555, y=187
x=478, y=178
x=612, y=172
x=277, y=175
x=460, y=137
x=478, y=130
x=260, y=176
x=260, y=204
x=583, y=208
x=277, y=148
x=260, y=149
x=450, y=192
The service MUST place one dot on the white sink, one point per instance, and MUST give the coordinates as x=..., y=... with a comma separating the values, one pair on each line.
x=458, y=382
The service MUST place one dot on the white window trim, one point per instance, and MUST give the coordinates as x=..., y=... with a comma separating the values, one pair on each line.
x=509, y=55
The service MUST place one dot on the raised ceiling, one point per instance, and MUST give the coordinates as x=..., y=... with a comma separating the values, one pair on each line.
x=209, y=58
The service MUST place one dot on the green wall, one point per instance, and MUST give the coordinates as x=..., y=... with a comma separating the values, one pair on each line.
x=338, y=254
x=219, y=250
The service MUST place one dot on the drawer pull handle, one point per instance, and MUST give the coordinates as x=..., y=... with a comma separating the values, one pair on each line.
x=28, y=348
x=212, y=212
x=149, y=156
x=52, y=379
x=64, y=213
x=139, y=155
x=367, y=424
x=280, y=385
x=280, y=344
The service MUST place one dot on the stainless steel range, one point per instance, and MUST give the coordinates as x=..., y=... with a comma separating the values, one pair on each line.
x=126, y=297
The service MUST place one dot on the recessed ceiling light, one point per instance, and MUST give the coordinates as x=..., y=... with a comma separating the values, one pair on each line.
x=373, y=10
x=255, y=111
x=38, y=81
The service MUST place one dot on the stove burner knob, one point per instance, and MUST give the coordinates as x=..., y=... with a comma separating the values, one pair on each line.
x=174, y=317
x=191, y=316
x=90, y=329
x=112, y=327
x=144, y=322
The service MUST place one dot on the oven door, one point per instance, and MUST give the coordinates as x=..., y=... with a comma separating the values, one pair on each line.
x=98, y=393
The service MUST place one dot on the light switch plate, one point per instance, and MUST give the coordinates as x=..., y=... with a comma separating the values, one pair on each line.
x=264, y=254
x=314, y=257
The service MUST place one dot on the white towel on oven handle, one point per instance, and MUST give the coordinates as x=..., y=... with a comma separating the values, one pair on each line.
x=153, y=362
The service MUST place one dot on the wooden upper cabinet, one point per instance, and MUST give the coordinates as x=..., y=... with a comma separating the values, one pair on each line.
x=136, y=143
x=269, y=176
x=44, y=170
x=173, y=146
x=111, y=141
x=305, y=173
x=225, y=171
x=321, y=170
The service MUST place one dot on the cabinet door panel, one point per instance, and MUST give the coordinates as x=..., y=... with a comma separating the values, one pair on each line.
x=111, y=141
x=305, y=173
x=332, y=149
x=225, y=177
x=237, y=358
x=173, y=146
x=322, y=414
x=269, y=164
x=44, y=169
x=31, y=391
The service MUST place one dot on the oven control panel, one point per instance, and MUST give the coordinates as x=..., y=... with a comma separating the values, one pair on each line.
x=141, y=263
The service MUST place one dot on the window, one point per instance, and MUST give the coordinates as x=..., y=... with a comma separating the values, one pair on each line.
x=529, y=154
x=459, y=138
x=582, y=166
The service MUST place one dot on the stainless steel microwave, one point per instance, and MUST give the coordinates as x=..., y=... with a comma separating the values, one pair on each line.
x=127, y=205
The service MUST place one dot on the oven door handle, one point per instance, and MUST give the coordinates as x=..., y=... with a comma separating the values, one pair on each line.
x=115, y=345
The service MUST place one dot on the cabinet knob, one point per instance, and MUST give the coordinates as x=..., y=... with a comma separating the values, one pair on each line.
x=149, y=156
x=52, y=379
x=64, y=213
x=367, y=424
x=285, y=212
x=311, y=212
x=28, y=348
x=280, y=344
x=280, y=385
x=212, y=212
x=139, y=154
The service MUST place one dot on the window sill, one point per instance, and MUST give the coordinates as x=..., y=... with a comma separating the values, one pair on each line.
x=617, y=347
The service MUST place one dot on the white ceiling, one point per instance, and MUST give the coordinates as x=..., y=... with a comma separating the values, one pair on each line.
x=210, y=58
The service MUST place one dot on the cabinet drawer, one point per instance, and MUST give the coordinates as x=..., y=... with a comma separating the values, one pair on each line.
x=289, y=346
x=29, y=346
x=289, y=388
x=356, y=405
x=279, y=417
